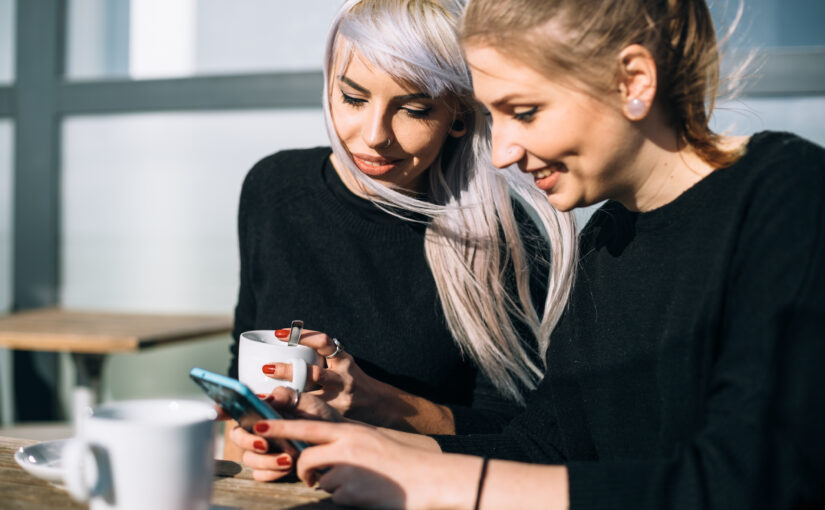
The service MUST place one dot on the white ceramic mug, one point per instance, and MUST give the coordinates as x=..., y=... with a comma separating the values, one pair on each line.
x=143, y=454
x=261, y=347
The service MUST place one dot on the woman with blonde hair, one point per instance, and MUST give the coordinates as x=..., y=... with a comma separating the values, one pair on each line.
x=686, y=368
x=403, y=240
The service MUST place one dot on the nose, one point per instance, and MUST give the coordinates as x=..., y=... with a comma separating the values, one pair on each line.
x=377, y=133
x=506, y=150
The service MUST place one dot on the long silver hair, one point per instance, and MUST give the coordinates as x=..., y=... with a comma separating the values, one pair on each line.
x=473, y=236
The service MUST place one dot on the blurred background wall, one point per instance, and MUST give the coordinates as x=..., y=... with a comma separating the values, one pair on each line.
x=127, y=126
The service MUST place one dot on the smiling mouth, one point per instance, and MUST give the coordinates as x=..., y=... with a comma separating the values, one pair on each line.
x=374, y=165
x=548, y=171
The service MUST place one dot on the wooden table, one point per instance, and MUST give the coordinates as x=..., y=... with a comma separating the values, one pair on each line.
x=233, y=488
x=90, y=336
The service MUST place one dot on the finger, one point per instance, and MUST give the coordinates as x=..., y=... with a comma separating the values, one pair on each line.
x=283, y=372
x=314, y=461
x=317, y=340
x=280, y=371
x=309, y=406
x=329, y=378
x=269, y=476
x=311, y=431
x=247, y=441
x=332, y=479
x=267, y=462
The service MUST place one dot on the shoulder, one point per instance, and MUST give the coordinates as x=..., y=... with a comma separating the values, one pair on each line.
x=780, y=161
x=288, y=167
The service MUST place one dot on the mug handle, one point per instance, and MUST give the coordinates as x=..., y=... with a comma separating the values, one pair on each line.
x=81, y=472
x=299, y=374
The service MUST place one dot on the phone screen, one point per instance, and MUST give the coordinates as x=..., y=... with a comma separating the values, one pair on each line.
x=239, y=402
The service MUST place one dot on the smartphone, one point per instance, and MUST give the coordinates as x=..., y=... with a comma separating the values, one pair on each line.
x=239, y=402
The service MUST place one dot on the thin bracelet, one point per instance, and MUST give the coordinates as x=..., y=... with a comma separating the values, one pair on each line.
x=481, y=477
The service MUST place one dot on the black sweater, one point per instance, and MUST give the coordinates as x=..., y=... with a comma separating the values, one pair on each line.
x=663, y=372
x=312, y=250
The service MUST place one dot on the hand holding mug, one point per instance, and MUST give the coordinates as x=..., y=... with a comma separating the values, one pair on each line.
x=260, y=349
x=343, y=384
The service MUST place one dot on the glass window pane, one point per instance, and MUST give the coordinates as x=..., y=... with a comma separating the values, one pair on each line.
x=7, y=40
x=150, y=204
x=800, y=115
x=6, y=213
x=772, y=23
x=158, y=38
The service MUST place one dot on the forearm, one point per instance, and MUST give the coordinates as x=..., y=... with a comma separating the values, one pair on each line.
x=519, y=485
x=453, y=482
x=412, y=439
x=396, y=409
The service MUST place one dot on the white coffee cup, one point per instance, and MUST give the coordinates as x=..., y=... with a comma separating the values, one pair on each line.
x=261, y=347
x=143, y=454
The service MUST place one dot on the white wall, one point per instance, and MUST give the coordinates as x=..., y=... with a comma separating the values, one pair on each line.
x=149, y=223
x=7, y=34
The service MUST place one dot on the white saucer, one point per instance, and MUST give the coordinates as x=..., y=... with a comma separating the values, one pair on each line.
x=42, y=459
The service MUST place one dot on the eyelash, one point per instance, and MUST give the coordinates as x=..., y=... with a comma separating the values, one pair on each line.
x=412, y=112
x=526, y=116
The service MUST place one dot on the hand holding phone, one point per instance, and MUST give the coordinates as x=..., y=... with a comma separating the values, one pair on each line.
x=239, y=402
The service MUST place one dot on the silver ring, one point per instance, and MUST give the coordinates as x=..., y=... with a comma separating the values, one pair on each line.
x=296, y=395
x=338, y=348
x=389, y=142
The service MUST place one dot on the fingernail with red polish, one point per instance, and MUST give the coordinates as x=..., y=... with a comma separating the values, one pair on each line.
x=282, y=333
x=262, y=396
x=261, y=427
x=284, y=460
x=268, y=369
x=259, y=445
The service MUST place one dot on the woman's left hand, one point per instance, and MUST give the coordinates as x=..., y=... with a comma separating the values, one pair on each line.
x=344, y=386
x=268, y=463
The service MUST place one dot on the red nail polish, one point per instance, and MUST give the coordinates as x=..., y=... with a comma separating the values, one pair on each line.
x=259, y=445
x=261, y=427
x=284, y=461
x=262, y=396
x=282, y=333
x=268, y=369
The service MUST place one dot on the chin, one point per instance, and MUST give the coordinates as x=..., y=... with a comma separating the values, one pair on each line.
x=561, y=203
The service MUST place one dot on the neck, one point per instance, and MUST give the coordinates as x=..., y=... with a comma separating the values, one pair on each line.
x=664, y=167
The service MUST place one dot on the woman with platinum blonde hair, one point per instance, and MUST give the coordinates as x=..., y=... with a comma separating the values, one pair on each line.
x=430, y=265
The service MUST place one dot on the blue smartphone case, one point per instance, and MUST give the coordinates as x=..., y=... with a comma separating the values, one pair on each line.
x=239, y=402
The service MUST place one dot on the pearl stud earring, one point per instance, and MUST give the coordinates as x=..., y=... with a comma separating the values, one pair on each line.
x=636, y=108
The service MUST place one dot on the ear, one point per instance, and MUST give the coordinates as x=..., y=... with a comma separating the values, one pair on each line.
x=637, y=81
x=458, y=127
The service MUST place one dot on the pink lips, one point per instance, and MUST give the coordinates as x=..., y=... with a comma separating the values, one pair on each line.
x=547, y=183
x=374, y=165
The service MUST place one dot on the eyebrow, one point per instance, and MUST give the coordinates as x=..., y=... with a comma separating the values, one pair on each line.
x=405, y=97
x=504, y=100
